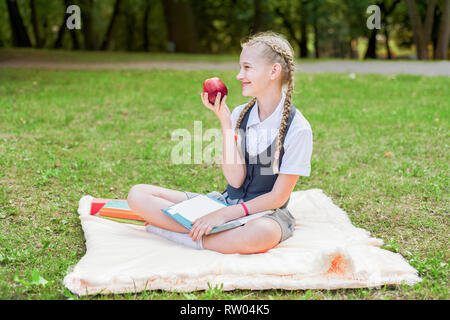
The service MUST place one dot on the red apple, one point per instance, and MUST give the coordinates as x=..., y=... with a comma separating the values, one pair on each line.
x=213, y=86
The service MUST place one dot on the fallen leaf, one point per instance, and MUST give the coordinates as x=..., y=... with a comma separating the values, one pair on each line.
x=388, y=154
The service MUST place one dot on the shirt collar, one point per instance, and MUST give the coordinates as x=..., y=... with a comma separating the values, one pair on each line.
x=273, y=120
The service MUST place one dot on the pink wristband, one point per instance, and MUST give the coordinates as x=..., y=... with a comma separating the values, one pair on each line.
x=245, y=208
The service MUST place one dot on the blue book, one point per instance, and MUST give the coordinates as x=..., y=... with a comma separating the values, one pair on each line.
x=186, y=212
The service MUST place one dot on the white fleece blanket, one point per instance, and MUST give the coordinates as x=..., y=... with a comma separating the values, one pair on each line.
x=325, y=252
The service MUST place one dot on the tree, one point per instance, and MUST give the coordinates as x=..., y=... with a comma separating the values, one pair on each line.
x=385, y=10
x=130, y=17
x=35, y=24
x=303, y=32
x=109, y=33
x=421, y=30
x=19, y=32
x=314, y=23
x=181, y=27
x=290, y=24
x=258, y=17
x=441, y=51
x=145, y=20
x=87, y=9
x=62, y=29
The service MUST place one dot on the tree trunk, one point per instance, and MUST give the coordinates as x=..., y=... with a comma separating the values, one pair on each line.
x=45, y=32
x=87, y=8
x=182, y=32
x=387, y=12
x=316, y=40
x=130, y=22
x=19, y=32
x=35, y=24
x=145, y=35
x=417, y=28
x=388, y=49
x=303, y=32
x=444, y=33
x=258, y=22
x=428, y=24
x=112, y=23
x=315, y=31
x=61, y=31
x=304, y=41
x=422, y=32
x=75, y=43
x=371, y=52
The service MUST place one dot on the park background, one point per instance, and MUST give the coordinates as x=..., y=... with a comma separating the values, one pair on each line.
x=322, y=28
x=91, y=111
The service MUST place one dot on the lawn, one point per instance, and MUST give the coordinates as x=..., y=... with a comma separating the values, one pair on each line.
x=380, y=152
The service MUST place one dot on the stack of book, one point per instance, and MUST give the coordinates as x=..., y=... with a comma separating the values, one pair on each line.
x=116, y=210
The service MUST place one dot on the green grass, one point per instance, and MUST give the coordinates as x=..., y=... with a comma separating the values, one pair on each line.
x=65, y=134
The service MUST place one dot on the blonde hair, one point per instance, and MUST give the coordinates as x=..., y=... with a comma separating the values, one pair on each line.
x=275, y=49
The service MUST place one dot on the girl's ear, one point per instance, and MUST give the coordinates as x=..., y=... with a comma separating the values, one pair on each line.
x=276, y=71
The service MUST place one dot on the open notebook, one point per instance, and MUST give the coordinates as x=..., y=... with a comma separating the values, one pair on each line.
x=186, y=212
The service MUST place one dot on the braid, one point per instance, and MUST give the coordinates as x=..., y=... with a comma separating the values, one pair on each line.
x=238, y=124
x=286, y=112
x=279, y=50
x=243, y=113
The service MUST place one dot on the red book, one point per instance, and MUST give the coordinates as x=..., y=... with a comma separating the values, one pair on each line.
x=98, y=203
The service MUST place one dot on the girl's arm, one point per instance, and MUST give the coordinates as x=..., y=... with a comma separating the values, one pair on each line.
x=233, y=166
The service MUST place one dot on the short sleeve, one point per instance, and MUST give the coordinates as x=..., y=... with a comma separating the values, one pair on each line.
x=297, y=154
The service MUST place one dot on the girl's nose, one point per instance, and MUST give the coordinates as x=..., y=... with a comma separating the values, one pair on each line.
x=239, y=76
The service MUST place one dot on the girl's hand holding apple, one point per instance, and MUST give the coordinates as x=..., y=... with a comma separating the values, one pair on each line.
x=219, y=105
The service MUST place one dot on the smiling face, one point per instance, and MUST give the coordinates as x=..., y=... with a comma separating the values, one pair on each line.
x=255, y=74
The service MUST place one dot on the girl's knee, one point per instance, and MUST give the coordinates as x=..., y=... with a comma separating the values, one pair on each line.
x=264, y=234
x=136, y=192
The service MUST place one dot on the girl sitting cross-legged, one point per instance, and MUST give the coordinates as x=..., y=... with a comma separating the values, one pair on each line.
x=274, y=143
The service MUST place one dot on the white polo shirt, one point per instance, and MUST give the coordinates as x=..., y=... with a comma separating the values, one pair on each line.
x=298, y=143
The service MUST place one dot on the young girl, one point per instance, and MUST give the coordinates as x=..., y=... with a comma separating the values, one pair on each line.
x=273, y=138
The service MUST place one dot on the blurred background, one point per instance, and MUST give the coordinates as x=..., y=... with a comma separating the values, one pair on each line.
x=409, y=29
